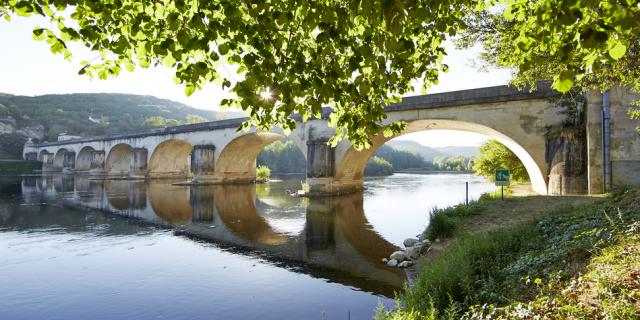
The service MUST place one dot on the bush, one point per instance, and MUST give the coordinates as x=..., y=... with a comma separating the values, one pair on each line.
x=263, y=173
x=378, y=167
x=440, y=224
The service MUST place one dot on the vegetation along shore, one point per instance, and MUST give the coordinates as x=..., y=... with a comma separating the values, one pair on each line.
x=529, y=257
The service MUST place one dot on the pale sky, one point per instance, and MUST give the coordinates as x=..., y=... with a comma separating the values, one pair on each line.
x=27, y=67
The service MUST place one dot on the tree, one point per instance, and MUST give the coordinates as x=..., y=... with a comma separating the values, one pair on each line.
x=583, y=44
x=494, y=155
x=378, y=167
x=194, y=118
x=289, y=56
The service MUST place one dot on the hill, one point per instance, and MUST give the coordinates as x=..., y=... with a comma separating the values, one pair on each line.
x=430, y=153
x=42, y=118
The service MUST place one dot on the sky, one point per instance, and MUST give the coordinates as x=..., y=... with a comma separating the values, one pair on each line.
x=27, y=67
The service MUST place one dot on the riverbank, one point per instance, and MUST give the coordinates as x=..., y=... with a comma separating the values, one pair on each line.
x=529, y=256
x=14, y=167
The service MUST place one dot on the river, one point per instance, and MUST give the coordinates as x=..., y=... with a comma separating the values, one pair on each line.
x=75, y=248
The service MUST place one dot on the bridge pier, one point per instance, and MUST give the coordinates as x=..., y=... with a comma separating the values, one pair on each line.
x=320, y=168
x=47, y=162
x=203, y=163
x=138, y=163
x=97, y=163
x=68, y=162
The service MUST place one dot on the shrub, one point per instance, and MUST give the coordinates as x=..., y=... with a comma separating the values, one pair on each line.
x=263, y=173
x=378, y=167
x=440, y=224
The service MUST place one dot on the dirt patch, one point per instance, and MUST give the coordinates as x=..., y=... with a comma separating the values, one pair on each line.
x=498, y=214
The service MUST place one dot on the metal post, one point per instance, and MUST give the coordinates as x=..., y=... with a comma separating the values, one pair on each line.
x=502, y=192
x=467, y=193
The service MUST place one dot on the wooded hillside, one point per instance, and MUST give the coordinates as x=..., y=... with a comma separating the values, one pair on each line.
x=42, y=118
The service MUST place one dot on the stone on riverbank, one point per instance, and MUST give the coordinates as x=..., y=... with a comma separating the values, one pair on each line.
x=405, y=264
x=410, y=242
x=398, y=256
x=392, y=263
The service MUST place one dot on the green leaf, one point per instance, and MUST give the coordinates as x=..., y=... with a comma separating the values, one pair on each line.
x=564, y=82
x=189, y=89
x=617, y=50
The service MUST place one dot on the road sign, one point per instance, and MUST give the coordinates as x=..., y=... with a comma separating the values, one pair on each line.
x=502, y=177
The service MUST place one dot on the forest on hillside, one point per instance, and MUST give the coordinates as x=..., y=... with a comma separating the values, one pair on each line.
x=285, y=157
x=42, y=118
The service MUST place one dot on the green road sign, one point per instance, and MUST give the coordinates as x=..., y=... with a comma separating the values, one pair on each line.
x=502, y=177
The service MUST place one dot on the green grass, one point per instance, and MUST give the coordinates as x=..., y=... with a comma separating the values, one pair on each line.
x=503, y=270
x=19, y=166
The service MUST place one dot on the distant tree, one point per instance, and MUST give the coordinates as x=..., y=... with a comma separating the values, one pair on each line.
x=160, y=122
x=194, y=118
x=494, y=155
x=378, y=167
x=283, y=157
x=401, y=159
x=154, y=122
x=11, y=145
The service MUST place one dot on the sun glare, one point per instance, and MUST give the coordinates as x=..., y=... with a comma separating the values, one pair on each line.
x=266, y=94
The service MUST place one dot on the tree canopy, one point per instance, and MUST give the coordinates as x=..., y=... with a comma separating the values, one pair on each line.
x=354, y=56
x=583, y=43
x=494, y=155
x=290, y=56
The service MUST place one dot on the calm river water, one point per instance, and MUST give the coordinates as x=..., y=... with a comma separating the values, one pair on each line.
x=74, y=248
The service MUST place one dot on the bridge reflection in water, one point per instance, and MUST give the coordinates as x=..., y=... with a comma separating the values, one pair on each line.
x=328, y=238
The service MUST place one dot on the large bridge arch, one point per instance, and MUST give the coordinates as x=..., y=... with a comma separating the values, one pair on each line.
x=171, y=158
x=58, y=158
x=350, y=163
x=237, y=160
x=83, y=160
x=119, y=159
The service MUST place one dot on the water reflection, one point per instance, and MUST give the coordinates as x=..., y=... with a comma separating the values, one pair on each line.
x=335, y=241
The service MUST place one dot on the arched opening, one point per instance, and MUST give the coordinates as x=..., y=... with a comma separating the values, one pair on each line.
x=42, y=154
x=171, y=158
x=283, y=157
x=237, y=161
x=83, y=161
x=350, y=169
x=119, y=160
x=58, y=159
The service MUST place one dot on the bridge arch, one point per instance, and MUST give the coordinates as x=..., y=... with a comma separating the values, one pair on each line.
x=42, y=154
x=119, y=160
x=237, y=161
x=350, y=166
x=58, y=159
x=83, y=160
x=171, y=158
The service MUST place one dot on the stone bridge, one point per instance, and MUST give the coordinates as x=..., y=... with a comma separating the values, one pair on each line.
x=214, y=153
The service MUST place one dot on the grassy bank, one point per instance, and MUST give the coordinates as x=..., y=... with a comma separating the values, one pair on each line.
x=9, y=167
x=579, y=261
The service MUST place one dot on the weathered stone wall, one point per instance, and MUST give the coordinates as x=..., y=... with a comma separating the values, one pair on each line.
x=625, y=140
